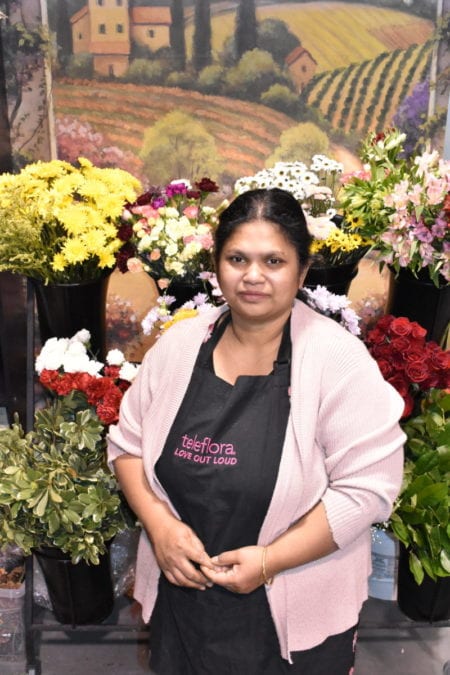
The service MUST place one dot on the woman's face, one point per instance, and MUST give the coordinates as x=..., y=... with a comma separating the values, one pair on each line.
x=259, y=271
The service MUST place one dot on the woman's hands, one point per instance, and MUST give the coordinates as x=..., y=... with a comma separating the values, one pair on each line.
x=239, y=571
x=177, y=548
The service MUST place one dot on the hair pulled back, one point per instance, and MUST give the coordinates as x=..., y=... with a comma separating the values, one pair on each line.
x=273, y=205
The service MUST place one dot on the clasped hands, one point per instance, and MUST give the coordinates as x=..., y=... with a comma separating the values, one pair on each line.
x=184, y=561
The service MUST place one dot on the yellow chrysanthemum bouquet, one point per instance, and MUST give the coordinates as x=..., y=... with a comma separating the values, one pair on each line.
x=60, y=223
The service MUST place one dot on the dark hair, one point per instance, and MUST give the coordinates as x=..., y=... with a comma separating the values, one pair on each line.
x=274, y=206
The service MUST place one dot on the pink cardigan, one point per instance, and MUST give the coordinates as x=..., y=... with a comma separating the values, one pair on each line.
x=343, y=446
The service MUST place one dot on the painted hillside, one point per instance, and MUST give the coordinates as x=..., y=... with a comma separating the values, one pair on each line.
x=368, y=60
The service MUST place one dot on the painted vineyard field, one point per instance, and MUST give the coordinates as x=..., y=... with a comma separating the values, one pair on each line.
x=245, y=133
x=335, y=33
x=366, y=95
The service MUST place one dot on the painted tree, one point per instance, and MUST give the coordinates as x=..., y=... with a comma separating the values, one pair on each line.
x=246, y=33
x=177, y=39
x=300, y=143
x=178, y=146
x=25, y=48
x=201, y=44
x=63, y=33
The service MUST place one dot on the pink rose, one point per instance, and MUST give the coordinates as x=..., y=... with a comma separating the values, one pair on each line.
x=155, y=254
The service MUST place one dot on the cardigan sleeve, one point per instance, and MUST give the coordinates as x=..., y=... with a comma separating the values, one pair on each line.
x=358, y=432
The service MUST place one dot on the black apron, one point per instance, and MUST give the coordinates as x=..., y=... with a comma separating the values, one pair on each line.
x=219, y=466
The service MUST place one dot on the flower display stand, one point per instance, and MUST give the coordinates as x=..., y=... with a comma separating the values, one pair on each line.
x=69, y=621
x=36, y=622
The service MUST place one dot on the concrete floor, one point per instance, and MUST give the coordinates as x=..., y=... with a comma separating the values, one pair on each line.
x=400, y=647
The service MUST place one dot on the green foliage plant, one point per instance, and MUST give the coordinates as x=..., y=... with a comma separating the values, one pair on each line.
x=420, y=519
x=56, y=489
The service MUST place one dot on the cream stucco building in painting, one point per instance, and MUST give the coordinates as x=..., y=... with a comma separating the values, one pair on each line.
x=107, y=28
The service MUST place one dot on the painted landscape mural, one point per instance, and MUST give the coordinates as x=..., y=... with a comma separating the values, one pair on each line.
x=223, y=88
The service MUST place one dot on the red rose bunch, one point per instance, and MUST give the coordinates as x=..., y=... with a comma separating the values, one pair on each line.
x=409, y=363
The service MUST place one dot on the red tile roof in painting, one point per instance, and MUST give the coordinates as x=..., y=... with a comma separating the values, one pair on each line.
x=296, y=53
x=151, y=15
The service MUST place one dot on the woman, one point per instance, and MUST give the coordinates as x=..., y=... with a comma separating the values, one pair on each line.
x=257, y=446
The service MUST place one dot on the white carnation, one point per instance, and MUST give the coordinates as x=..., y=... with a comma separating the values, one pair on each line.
x=82, y=336
x=51, y=355
x=128, y=371
x=115, y=357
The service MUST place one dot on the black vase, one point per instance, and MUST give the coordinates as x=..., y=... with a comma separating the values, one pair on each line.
x=428, y=602
x=184, y=290
x=420, y=300
x=64, y=309
x=336, y=278
x=81, y=593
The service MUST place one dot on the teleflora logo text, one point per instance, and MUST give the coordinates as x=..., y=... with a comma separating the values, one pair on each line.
x=206, y=451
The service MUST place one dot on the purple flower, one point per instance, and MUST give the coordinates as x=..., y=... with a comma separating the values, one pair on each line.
x=423, y=233
x=439, y=228
x=175, y=189
x=157, y=202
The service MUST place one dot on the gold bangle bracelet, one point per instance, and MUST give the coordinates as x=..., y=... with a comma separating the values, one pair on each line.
x=266, y=580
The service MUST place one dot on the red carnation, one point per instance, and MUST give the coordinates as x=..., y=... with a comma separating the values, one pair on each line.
x=125, y=232
x=65, y=384
x=98, y=388
x=207, y=185
x=108, y=408
x=49, y=378
x=112, y=371
x=107, y=413
x=82, y=381
x=123, y=255
x=145, y=198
